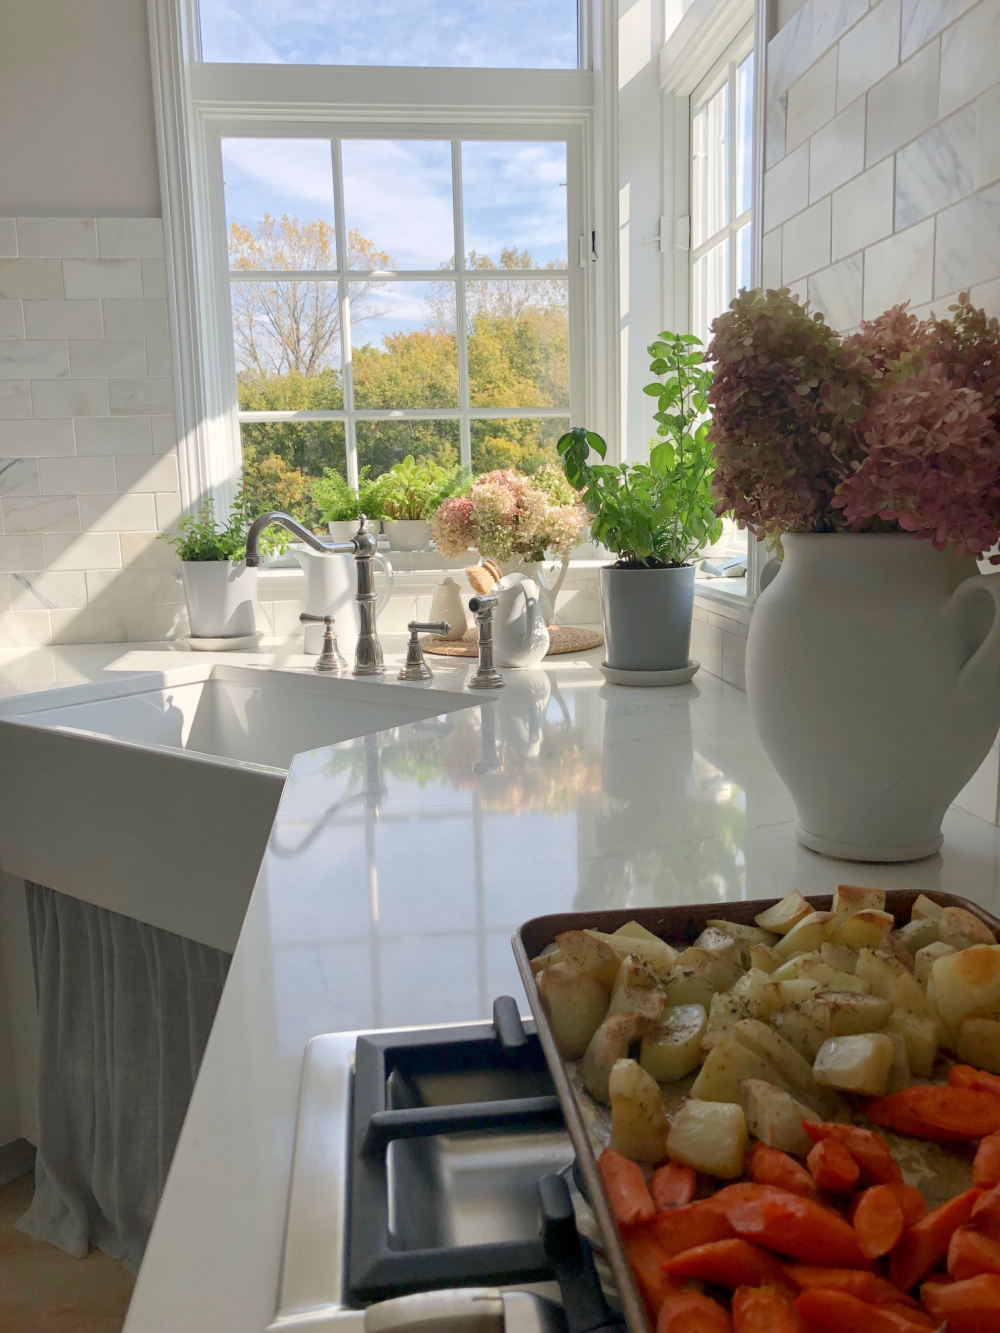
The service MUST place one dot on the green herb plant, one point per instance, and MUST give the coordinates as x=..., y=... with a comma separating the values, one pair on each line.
x=200, y=536
x=413, y=490
x=658, y=514
x=339, y=502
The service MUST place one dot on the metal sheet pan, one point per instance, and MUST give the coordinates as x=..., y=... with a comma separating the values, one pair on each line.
x=676, y=925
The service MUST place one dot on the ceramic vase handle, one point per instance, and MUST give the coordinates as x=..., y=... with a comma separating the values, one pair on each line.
x=769, y=572
x=981, y=674
x=389, y=580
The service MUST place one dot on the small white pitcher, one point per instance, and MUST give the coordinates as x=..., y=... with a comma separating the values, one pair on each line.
x=520, y=635
x=331, y=588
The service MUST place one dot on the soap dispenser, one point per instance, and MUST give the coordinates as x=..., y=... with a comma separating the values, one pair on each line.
x=448, y=604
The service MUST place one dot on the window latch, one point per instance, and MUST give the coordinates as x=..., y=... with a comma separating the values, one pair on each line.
x=588, y=253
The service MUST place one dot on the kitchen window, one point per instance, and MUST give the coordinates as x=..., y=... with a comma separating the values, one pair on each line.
x=368, y=260
x=394, y=296
x=722, y=128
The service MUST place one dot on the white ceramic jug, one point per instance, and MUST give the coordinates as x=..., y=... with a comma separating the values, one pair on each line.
x=520, y=635
x=331, y=587
x=447, y=604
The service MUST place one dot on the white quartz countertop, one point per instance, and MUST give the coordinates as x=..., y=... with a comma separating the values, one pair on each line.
x=397, y=870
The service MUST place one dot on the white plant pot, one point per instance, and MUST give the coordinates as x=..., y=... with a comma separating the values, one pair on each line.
x=873, y=675
x=221, y=596
x=406, y=534
x=342, y=530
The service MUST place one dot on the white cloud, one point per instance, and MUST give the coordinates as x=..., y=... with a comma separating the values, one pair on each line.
x=398, y=193
x=278, y=176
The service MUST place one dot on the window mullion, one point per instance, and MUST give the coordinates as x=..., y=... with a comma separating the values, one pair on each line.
x=343, y=292
x=461, y=328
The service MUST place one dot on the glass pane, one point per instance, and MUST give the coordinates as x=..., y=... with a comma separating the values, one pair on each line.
x=518, y=342
x=383, y=443
x=514, y=205
x=524, y=442
x=709, y=289
x=403, y=344
x=279, y=203
x=286, y=337
x=519, y=34
x=282, y=458
x=744, y=135
x=744, y=259
x=398, y=203
x=710, y=167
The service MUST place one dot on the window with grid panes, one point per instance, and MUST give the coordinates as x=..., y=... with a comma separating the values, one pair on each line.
x=721, y=185
x=395, y=296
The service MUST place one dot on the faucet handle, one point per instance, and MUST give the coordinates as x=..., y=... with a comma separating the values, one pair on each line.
x=331, y=658
x=415, y=668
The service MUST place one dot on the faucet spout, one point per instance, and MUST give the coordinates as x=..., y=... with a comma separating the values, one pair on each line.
x=276, y=517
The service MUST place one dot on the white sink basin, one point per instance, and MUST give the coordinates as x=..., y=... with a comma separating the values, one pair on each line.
x=154, y=795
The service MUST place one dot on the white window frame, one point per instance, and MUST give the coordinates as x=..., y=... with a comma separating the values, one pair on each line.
x=199, y=104
x=700, y=42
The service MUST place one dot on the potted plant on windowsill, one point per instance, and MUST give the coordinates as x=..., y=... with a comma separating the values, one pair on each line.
x=409, y=495
x=340, y=505
x=220, y=591
x=873, y=656
x=655, y=516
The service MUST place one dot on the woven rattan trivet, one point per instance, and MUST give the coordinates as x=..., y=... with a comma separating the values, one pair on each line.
x=564, y=639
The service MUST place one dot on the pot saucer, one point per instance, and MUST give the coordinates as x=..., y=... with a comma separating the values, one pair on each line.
x=230, y=645
x=616, y=676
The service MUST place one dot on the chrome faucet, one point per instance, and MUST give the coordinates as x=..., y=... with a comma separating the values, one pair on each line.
x=487, y=677
x=363, y=546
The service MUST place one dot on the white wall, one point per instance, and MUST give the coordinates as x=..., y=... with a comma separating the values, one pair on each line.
x=77, y=136
x=883, y=156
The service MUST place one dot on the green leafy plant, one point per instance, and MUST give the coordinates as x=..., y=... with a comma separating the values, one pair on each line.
x=339, y=502
x=657, y=514
x=413, y=490
x=200, y=536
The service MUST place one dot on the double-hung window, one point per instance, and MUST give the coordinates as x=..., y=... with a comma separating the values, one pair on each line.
x=385, y=227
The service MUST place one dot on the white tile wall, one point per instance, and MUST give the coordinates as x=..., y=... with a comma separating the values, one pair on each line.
x=901, y=199
x=88, y=444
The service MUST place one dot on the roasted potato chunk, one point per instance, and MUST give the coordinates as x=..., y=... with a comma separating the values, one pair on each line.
x=609, y=1044
x=710, y=1136
x=920, y=1034
x=979, y=1042
x=672, y=1049
x=807, y=935
x=775, y=1117
x=862, y=930
x=639, y=1123
x=576, y=1003
x=784, y=915
x=967, y=982
x=925, y=958
x=856, y=1064
x=587, y=952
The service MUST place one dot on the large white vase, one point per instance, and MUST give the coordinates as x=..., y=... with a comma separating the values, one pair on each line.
x=221, y=596
x=873, y=674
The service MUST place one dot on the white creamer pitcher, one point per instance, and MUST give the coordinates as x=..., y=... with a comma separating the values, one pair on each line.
x=520, y=635
x=331, y=588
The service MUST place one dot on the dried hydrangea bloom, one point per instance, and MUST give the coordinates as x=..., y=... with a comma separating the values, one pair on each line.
x=786, y=394
x=494, y=512
x=967, y=346
x=895, y=343
x=451, y=526
x=933, y=467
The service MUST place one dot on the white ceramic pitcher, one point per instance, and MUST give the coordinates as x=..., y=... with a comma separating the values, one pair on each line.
x=520, y=635
x=331, y=588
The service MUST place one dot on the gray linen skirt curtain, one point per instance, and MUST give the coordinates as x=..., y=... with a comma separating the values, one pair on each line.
x=125, y=1011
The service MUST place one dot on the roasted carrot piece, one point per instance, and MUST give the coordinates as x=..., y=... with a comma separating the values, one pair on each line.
x=923, y=1244
x=682, y=1228
x=964, y=1076
x=673, y=1186
x=986, y=1214
x=688, y=1311
x=941, y=1114
x=971, y=1253
x=765, y=1310
x=730, y=1264
x=853, y=1281
x=835, y=1312
x=986, y=1167
x=912, y=1314
x=911, y=1201
x=798, y=1229
x=771, y=1166
x=869, y=1150
x=833, y=1168
x=878, y=1221
x=972, y=1306
x=625, y=1186
x=646, y=1259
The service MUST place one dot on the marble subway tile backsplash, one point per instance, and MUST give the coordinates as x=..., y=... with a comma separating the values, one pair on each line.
x=88, y=442
x=909, y=166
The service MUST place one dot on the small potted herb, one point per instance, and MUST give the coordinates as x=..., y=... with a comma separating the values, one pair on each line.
x=409, y=494
x=219, y=589
x=655, y=516
x=340, y=505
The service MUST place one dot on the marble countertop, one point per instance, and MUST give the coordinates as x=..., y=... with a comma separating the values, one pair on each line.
x=398, y=868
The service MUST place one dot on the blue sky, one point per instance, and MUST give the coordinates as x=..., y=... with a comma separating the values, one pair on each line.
x=537, y=34
x=398, y=193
